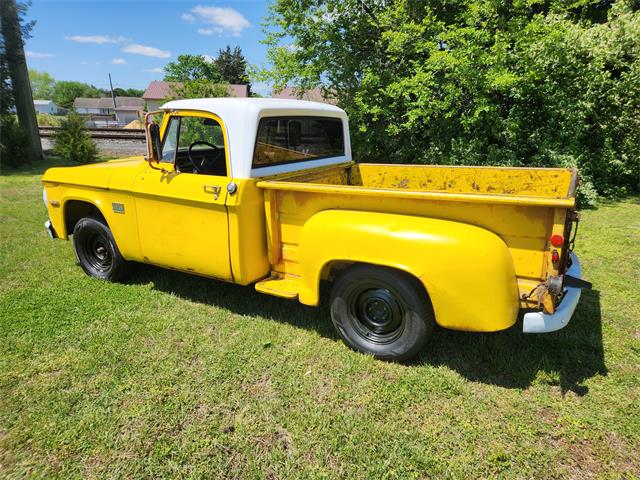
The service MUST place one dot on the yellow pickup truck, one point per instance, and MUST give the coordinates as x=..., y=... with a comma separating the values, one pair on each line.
x=265, y=192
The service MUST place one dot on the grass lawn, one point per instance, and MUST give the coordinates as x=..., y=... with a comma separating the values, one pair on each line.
x=176, y=376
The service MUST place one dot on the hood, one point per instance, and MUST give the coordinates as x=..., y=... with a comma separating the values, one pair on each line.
x=112, y=174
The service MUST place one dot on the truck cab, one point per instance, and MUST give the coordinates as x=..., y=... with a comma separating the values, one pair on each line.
x=265, y=192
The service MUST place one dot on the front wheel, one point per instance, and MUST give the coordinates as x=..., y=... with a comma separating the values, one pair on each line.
x=381, y=311
x=97, y=252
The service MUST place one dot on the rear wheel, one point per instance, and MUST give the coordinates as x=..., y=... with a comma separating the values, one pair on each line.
x=96, y=250
x=381, y=311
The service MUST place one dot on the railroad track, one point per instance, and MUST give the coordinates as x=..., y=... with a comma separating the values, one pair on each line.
x=109, y=133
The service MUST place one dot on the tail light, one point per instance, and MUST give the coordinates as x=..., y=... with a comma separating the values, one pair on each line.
x=557, y=240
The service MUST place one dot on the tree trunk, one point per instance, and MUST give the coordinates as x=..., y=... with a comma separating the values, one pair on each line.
x=20, y=78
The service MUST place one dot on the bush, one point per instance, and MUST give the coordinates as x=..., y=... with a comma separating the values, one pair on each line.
x=481, y=82
x=13, y=141
x=73, y=143
x=46, y=120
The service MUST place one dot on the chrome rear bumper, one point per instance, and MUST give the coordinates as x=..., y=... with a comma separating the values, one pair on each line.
x=49, y=228
x=539, y=322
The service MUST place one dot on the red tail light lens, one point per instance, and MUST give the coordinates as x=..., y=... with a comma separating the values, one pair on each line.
x=557, y=240
x=555, y=256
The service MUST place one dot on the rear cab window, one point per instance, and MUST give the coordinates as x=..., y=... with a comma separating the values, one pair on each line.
x=291, y=139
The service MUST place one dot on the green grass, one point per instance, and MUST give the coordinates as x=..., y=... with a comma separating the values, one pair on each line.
x=176, y=376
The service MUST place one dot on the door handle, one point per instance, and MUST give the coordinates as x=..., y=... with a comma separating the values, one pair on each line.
x=215, y=189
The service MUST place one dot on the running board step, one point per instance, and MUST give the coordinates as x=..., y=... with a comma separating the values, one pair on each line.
x=280, y=287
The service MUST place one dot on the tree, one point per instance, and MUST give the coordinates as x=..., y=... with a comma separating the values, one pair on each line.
x=42, y=84
x=198, y=89
x=536, y=83
x=192, y=67
x=12, y=28
x=73, y=143
x=233, y=66
x=128, y=92
x=65, y=92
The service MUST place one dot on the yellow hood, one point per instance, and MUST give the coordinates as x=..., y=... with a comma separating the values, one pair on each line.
x=114, y=174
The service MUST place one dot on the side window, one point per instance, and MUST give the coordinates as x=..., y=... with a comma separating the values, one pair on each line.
x=295, y=139
x=199, y=129
x=195, y=145
x=170, y=140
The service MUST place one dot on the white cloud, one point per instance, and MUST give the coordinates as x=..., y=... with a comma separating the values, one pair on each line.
x=224, y=20
x=210, y=31
x=154, y=70
x=119, y=61
x=146, y=51
x=84, y=62
x=208, y=58
x=99, y=39
x=187, y=17
x=32, y=54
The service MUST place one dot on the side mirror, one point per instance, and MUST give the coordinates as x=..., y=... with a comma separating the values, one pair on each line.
x=156, y=145
x=152, y=131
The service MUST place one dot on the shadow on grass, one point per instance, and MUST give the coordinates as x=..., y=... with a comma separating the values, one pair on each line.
x=38, y=168
x=513, y=359
x=509, y=359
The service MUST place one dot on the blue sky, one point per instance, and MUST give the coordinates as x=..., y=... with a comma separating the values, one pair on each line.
x=133, y=40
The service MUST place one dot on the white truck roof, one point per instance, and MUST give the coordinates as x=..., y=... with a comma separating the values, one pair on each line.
x=241, y=116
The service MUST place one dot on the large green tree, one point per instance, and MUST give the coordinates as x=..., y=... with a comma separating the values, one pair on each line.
x=192, y=67
x=42, y=84
x=233, y=66
x=65, y=92
x=525, y=82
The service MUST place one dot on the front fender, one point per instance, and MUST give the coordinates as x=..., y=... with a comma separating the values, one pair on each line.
x=122, y=222
x=467, y=270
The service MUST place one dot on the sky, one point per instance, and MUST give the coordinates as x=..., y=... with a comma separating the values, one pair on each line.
x=133, y=40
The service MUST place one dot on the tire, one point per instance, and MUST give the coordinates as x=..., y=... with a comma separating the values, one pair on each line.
x=381, y=311
x=97, y=252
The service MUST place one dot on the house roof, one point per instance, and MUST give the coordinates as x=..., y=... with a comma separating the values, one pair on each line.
x=240, y=91
x=43, y=102
x=312, y=95
x=81, y=102
x=107, y=102
x=129, y=108
x=159, y=90
x=129, y=102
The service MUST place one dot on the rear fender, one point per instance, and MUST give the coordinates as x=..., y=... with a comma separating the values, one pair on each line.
x=467, y=271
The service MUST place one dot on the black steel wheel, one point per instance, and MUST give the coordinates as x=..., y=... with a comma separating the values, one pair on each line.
x=96, y=250
x=381, y=311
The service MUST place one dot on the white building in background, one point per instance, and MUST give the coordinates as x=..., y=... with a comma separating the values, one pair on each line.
x=46, y=106
x=102, y=110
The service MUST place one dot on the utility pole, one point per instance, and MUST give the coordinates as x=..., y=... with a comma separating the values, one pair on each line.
x=20, y=77
x=113, y=97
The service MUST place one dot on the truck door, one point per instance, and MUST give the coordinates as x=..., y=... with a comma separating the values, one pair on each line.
x=182, y=218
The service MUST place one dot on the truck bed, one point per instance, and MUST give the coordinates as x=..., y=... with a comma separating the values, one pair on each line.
x=523, y=206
